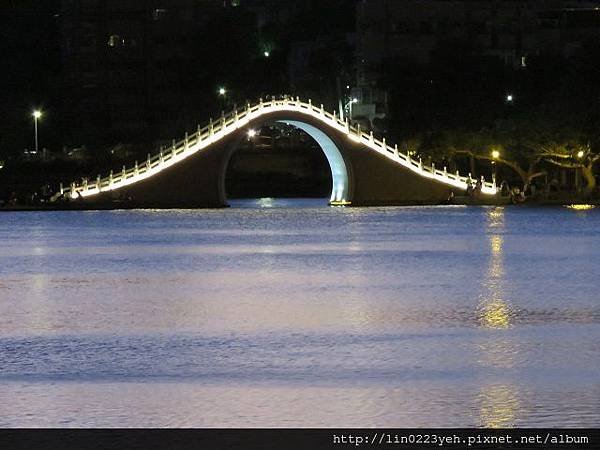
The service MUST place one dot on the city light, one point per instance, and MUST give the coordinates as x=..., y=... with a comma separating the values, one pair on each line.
x=251, y=133
x=495, y=154
x=36, y=115
x=267, y=54
x=580, y=154
x=581, y=207
x=222, y=91
x=509, y=98
x=354, y=100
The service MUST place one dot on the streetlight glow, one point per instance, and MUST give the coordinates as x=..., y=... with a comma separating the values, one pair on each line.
x=251, y=133
x=580, y=154
x=354, y=100
x=267, y=53
x=222, y=91
x=36, y=115
x=509, y=98
x=495, y=154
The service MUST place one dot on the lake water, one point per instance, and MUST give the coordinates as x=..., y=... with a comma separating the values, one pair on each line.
x=290, y=313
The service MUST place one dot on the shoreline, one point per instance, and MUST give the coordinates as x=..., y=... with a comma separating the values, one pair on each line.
x=456, y=202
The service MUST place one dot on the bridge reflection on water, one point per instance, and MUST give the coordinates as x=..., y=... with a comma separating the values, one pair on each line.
x=300, y=316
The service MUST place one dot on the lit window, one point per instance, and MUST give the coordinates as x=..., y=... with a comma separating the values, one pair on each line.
x=114, y=40
x=159, y=13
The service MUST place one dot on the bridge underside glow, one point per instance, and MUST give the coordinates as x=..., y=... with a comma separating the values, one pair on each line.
x=339, y=173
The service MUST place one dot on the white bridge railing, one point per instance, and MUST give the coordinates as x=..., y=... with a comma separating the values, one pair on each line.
x=227, y=124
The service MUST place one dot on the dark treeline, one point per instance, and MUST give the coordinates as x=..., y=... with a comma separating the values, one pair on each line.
x=465, y=107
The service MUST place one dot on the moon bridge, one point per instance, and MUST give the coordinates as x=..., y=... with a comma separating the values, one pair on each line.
x=365, y=170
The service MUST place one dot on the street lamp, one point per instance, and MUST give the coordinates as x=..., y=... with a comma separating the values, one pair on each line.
x=267, y=53
x=509, y=98
x=349, y=106
x=580, y=154
x=36, y=115
x=495, y=156
x=222, y=91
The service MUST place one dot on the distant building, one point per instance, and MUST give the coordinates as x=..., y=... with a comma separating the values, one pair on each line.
x=123, y=62
x=131, y=68
x=509, y=30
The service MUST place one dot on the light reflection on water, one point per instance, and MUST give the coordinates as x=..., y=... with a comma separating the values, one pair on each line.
x=289, y=313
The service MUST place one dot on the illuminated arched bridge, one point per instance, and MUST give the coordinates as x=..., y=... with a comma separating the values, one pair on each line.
x=191, y=173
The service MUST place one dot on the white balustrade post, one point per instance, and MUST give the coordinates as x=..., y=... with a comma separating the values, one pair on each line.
x=260, y=103
x=358, y=132
x=123, y=172
x=136, y=168
x=148, y=162
x=347, y=123
x=371, y=138
x=445, y=171
x=61, y=189
x=420, y=164
x=457, y=175
x=161, y=157
x=383, y=144
x=85, y=184
x=334, y=116
x=322, y=109
x=110, y=178
x=432, y=167
x=73, y=190
x=222, y=120
x=98, y=181
x=198, y=132
x=396, y=150
x=237, y=118
x=310, y=103
x=185, y=143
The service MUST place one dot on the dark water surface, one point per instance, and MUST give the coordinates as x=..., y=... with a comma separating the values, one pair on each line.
x=301, y=316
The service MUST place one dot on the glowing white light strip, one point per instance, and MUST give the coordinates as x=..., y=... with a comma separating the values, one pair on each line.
x=239, y=120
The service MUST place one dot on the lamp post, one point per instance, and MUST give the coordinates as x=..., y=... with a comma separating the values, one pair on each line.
x=495, y=155
x=222, y=91
x=36, y=115
x=349, y=106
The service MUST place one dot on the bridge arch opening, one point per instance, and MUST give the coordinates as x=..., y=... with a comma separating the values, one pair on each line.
x=339, y=192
